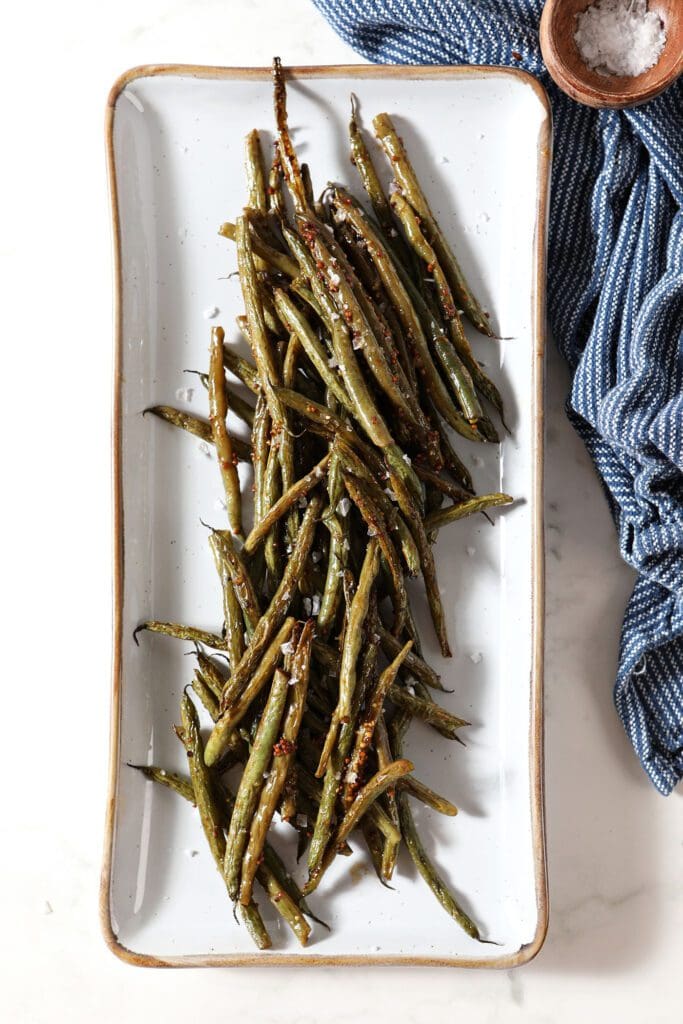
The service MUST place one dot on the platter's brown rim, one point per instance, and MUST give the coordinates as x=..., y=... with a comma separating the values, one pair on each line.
x=529, y=950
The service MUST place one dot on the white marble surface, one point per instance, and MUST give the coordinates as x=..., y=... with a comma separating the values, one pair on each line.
x=613, y=949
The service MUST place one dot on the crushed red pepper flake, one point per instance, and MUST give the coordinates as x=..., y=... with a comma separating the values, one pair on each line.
x=283, y=747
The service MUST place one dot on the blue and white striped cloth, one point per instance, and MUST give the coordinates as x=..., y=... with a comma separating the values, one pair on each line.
x=615, y=301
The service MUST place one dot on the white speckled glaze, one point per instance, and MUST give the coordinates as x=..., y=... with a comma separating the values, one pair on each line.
x=477, y=140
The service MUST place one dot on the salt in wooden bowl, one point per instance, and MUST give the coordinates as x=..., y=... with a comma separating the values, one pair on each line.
x=569, y=70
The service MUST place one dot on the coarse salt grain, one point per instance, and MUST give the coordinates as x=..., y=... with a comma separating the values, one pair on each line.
x=184, y=394
x=476, y=657
x=344, y=506
x=211, y=312
x=619, y=37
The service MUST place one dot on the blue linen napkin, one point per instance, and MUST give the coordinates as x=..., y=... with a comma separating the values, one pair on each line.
x=615, y=304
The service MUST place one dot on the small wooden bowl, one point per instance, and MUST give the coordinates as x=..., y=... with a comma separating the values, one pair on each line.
x=568, y=69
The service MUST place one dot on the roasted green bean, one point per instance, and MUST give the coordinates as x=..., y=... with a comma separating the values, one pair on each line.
x=413, y=663
x=235, y=711
x=256, y=175
x=452, y=513
x=373, y=789
x=390, y=847
x=298, y=490
x=324, y=823
x=433, y=714
x=290, y=162
x=272, y=619
x=364, y=734
x=377, y=527
x=218, y=411
x=251, y=782
x=428, y=871
x=205, y=695
x=405, y=176
x=283, y=759
x=198, y=427
x=421, y=792
x=354, y=633
x=180, y=632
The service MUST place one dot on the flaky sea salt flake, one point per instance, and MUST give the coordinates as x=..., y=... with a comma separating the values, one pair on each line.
x=619, y=37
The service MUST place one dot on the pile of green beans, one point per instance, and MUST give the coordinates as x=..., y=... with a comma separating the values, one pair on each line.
x=361, y=367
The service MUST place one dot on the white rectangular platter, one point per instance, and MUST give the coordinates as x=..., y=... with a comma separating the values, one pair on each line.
x=480, y=141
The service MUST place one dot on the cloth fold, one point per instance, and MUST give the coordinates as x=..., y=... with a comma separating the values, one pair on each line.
x=615, y=304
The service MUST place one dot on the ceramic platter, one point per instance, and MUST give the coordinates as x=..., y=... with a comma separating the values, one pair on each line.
x=480, y=140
